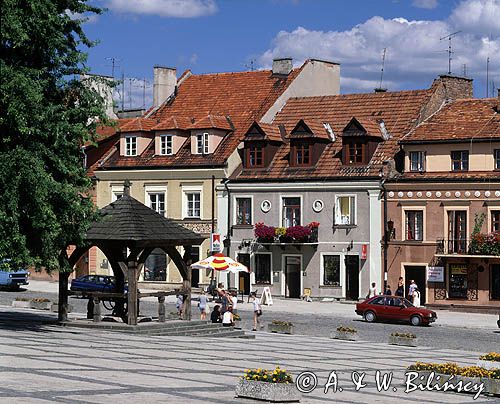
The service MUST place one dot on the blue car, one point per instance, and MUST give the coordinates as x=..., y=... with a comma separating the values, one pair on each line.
x=94, y=283
x=10, y=278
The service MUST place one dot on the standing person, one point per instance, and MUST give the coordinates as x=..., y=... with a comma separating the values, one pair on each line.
x=257, y=310
x=416, y=297
x=234, y=301
x=411, y=289
x=224, y=301
x=388, y=291
x=215, y=316
x=203, y=305
x=228, y=318
x=372, y=292
x=400, y=291
x=179, y=305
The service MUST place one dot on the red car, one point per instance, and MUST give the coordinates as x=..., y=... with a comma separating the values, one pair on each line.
x=394, y=308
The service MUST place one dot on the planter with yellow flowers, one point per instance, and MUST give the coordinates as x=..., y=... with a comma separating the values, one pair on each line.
x=275, y=386
x=280, y=327
x=489, y=361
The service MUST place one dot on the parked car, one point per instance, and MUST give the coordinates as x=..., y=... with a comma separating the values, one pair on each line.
x=94, y=283
x=12, y=278
x=394, y=308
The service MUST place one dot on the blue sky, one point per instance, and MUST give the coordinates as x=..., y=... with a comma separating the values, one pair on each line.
x=227, y=35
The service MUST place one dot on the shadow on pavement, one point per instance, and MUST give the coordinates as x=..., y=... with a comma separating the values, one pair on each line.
x=26, y=321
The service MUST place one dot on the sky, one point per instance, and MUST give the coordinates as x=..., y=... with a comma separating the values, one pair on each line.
x=209, y=36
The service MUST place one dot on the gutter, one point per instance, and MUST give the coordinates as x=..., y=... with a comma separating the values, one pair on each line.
x=229, y=231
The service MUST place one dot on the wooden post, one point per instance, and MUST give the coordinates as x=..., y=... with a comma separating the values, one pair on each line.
x=161, y=309
x=132, y=292
x=63, y=296
x=97, y=309
x=186, y=283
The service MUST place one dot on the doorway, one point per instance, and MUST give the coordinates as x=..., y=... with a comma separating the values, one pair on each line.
x=244, y=277
x=352, y=277
x=195, y=273
x=292, y=276
x=417, y=273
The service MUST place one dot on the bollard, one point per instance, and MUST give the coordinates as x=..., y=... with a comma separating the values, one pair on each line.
x=161, y=309
x=97, y=310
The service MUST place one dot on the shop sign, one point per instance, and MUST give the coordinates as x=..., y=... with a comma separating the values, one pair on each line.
x=458, y=269
x=215, y=243
x=435, y=274
x=364, y=251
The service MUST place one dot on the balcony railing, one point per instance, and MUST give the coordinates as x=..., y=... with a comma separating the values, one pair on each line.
x=480, y=244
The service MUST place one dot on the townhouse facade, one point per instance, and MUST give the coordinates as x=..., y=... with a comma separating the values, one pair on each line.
x=186, y=144
x=444, y=210
x=305, y=212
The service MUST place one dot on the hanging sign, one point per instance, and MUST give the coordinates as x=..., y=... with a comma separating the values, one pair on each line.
x=435, y=274
x=215, y=242
x=266, y=297
x=364, y=251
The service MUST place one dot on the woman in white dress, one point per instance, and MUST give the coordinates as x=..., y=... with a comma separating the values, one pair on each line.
x=416, y=297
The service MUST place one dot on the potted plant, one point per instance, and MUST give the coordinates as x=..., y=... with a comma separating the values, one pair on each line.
x=263, y=233
x=403, y=339
x=40, y=303
x=22, y=302
x=280, y=232
x=345, y=333
x=313, y=238
x=489, y=361
x=261, y=384
x=280, y=327
x=299, y=234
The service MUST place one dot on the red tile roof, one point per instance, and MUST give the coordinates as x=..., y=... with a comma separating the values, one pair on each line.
x=212, y=122
x=440, y=176
x=315, y=128
x=173, y=122
x=139, y=125
x=242, y=96
x=460, y=120
x=399, y=110
x=106, y=131
x=371, y=126
x=268, y=131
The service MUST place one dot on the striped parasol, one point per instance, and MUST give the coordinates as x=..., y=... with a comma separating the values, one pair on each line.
x=220, y=263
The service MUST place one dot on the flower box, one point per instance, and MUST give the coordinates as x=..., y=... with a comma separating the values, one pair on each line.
x=272, y=392
x=344, y=335
x=491, y=386
x=280, y=328
x=490, y=365
x=21, y=304
x=402, y=341
x=40, y=305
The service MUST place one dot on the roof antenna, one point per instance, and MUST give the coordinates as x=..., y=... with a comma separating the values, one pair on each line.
x=464, y=68
x=250, y=65
x=487, y=76
x=114, y=63
x=450, y=51
x=379, y=89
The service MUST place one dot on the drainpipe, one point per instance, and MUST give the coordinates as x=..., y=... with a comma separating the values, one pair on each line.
x=228, y=235
x=386, y=232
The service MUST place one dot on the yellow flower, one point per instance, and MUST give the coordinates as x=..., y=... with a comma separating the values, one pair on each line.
x=274, y=379
x=265, y=376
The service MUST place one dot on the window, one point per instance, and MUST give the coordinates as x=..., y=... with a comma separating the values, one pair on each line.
x=243, y=211
x=495, y=282
x=495, y=220
x=497, y=159
x=460, y=160
x=263, y=268
x=131, y=146
x=193, y=204
x=414, y=220
x=116, y=196
x=166, y=145
x=345, y=211
x=202, y=143
x=255, y=156
x=157, y=202
x=458, y=281
x=331, y=270
x=457, y=231
x=291, y=212
x=301, y=155
x=354, y=152
x=417, y=161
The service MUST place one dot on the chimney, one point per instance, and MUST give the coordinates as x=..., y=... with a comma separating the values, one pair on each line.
x=164, y=83
x=455, y=87
x=103, y=86
x=282, y=66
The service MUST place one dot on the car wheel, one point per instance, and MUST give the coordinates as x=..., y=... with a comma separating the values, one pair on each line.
x=370, y=316
x=415, y=320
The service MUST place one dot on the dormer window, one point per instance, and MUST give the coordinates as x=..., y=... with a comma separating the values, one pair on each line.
x=255, y=156
x=166, y=145
x=131, y=145
x=417, y=161
x=354, y=152
x=202, y=143
x=301, y=154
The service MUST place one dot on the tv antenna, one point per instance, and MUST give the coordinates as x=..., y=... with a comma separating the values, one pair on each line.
x=114, y=63
x=450, y=51
x=382, y=69
x=250, y=65
x=487, y=75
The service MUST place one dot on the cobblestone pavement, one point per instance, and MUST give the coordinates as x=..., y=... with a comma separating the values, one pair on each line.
x=44, y=363
x=454, y=330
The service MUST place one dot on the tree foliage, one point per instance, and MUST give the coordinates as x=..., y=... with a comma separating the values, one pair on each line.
x=47, y=115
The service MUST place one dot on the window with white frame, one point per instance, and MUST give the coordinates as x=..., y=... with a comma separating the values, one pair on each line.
x=202, y=143
x=291, y=212
x=166, y=148
x=157, y=202
x=331, y=270
x=345, y=210
x=417, y=161
x=193, y=204
x=244, y=211
x=263, y=268
x=414, y=225
x=131, y=145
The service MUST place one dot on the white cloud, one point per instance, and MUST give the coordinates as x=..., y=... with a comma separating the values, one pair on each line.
x=478, y=16
x=430, y=4
x=415, y=55
x=164, y=8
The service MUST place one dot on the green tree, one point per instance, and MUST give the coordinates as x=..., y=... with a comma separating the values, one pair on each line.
x=47, y=115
